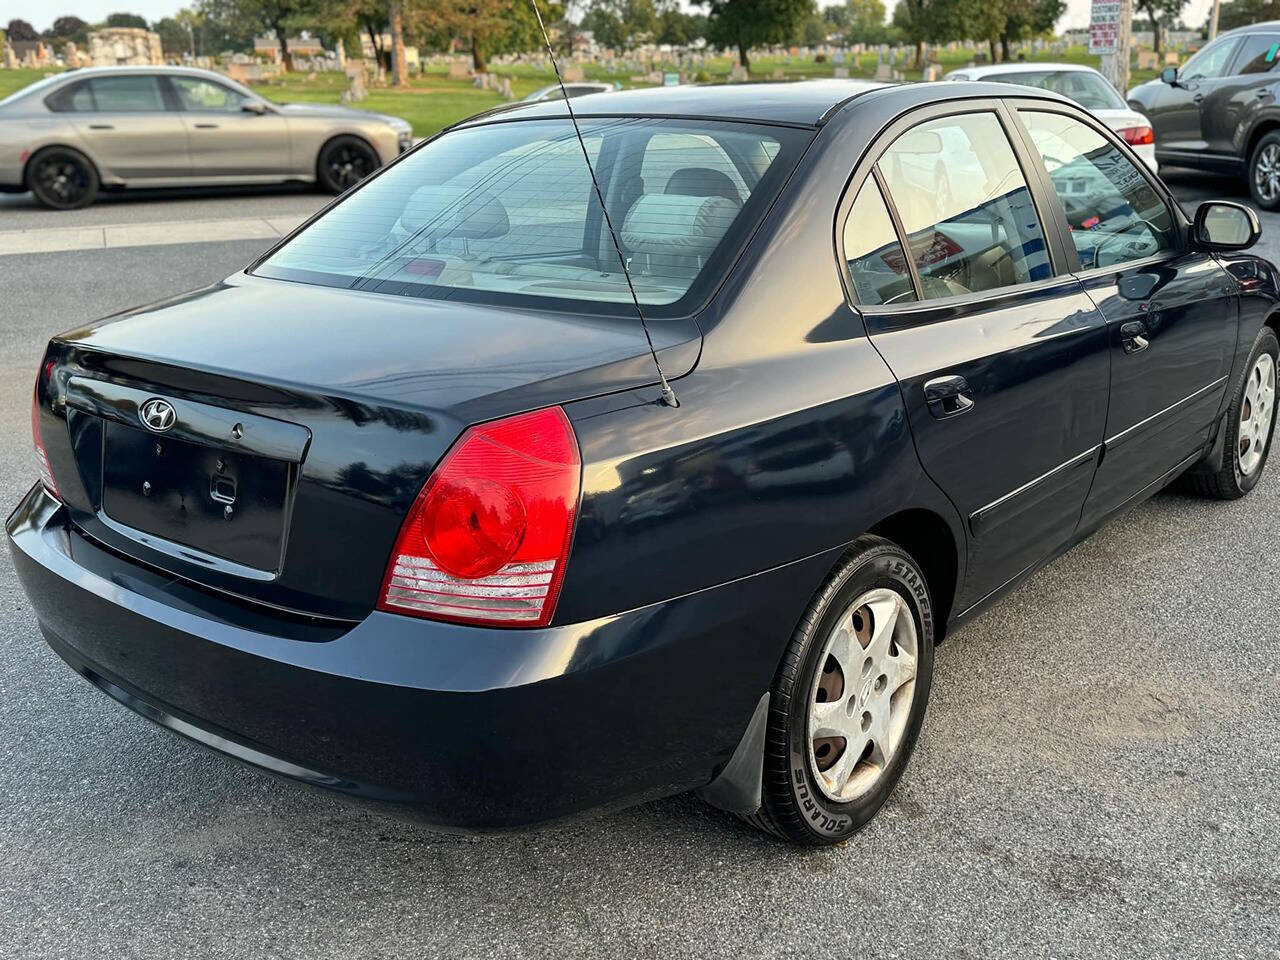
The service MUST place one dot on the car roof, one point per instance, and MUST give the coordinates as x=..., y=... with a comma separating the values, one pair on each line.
x=806, y=103
x=80, y=73
x=803, y=103
x=1267, y=26
x=986, y=69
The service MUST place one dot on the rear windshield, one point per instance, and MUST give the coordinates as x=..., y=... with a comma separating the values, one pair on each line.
x=506, y=213
x=1089, y=89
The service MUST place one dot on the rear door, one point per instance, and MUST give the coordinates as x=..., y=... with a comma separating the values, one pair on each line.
x=1231, y=107
x=1001, y=356
x=1172, y=312
x=130, y=129
x=226, y=139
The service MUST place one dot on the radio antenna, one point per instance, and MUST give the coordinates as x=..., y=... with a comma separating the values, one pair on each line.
x=668, y=395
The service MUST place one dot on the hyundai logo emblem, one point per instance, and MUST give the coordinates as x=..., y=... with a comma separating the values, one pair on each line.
x=157, y=415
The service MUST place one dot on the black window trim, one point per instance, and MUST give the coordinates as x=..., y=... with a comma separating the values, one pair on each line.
x=1031, y=169
x=1181, y=224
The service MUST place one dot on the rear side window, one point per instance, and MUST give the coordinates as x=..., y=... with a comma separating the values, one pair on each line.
x=1258, y=53
x=127, y=94
x=1114, y=213
x=74, y=98
x=506, y=213
x=969, y=218
x=877, y=265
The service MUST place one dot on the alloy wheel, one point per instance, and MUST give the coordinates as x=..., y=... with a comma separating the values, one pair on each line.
x=349, y=164
x=1266, y=172
x=861, y=697
x=1256, y=411
x=61, y=180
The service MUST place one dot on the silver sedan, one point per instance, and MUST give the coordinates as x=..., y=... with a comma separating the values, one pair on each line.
x=68, y=136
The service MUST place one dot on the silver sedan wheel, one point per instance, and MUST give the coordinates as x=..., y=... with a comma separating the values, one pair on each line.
x=1266, y=172
x=861, y=697
x=1255, y=414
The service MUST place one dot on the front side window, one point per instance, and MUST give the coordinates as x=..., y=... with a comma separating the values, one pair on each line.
x=1210, y=62
x=127, y=94
x=506, y=213
x=1258, y=53
x=199, y=95
x=877, y=265
x=970, y=221
x=1114, y=213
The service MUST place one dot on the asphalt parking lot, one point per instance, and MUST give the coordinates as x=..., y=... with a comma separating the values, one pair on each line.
x=1099, y=774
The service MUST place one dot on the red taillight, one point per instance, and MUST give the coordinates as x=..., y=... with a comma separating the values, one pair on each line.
x=1138, y=136
x=488, y=537
x=42, y=459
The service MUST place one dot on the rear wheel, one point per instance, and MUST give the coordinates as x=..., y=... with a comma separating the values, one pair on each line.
x=344, y=162
x=1250, y=425
x=62, y=178
x=1264, y=172
x=849, y=697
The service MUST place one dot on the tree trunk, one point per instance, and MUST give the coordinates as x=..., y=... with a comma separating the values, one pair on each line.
x=1155, y=33
x=397, y=43
x=919, y=52
x=991, y=44
x=743, y=58
x=286, y=58
x=477, y=55
x=1004, y=49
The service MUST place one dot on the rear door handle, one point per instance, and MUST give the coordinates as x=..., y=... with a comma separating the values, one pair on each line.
x=948, y=397
x=1133, y=336
x=101, y=126
x=206, y=126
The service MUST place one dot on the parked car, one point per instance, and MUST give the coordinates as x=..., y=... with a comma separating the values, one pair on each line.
x=1085, y=86
x=574, y=90
x=429, y=534
x=1219, y=111
x=68, y=136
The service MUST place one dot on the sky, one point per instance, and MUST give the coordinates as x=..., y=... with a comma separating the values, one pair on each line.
x=41, y=13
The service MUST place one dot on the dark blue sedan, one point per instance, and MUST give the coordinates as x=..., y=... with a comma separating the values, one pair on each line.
x=405, y=511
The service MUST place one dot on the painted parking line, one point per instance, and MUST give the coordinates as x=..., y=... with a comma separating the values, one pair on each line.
x=57, y=239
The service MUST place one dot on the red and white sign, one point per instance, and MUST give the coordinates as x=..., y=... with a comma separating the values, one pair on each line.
x=1104, y=24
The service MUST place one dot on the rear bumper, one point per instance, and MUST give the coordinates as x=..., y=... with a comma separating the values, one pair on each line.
x=472, y=728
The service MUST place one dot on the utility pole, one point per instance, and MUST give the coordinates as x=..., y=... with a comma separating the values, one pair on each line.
x=1213, y=19
x=1110, y=25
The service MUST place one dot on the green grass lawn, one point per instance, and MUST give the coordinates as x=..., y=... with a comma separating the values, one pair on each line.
x=433, y=100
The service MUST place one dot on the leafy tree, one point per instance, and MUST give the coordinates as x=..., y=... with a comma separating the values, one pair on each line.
x=813, y=31
x=126, y=20
x=68, y=28
x=751, y=23
x=19, y=31
x=486, y=27
x=1026, y=19
x=174, y=39
x=927, y=21
x=1162, y=14
x=238, y=18
x=622, y=24
x=1241, y=13
x=861, y=21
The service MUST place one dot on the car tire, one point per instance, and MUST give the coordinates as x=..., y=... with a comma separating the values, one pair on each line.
x=878, y=599
x=345, y=161
x=1264, y=172
x=61, y=178
x=1249, y=429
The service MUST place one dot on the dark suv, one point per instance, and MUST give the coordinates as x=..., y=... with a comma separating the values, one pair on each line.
x=1220, y=111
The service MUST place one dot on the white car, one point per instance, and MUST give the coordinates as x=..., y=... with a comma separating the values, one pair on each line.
x=1085, y=86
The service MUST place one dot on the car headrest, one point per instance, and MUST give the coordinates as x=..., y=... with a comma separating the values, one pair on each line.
x=703, y=182
x=672, y=223
x=458, y=212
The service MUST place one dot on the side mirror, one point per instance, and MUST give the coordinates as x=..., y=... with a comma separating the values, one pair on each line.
x=1223, y=225
x=256, y=107
x=1169, y=75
